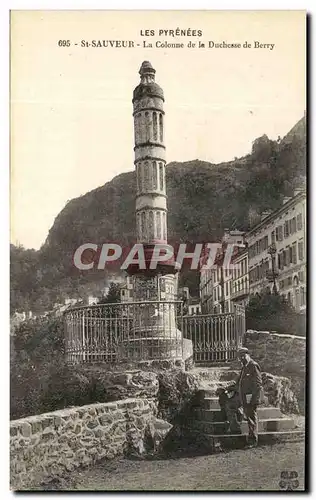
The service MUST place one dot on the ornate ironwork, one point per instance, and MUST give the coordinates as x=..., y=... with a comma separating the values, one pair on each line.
x=149, y=330
x=215, y=337
x=116, y=332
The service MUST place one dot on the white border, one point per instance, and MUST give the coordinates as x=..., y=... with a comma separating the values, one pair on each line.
x=5, y=6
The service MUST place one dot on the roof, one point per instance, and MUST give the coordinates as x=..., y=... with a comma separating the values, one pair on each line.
x=292, y=201
x=146, y=67
x=147, y=90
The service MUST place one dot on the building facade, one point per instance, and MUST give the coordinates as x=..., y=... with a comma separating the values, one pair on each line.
x=277, y=252
x=240, y=278
x=272, y=260
x=217, y=283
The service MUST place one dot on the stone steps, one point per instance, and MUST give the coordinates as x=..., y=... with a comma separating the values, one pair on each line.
x=207, y=430
x=215, y=414
x=210, y=389
x=264, y=425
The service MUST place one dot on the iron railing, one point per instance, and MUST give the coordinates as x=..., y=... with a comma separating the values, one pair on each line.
x=124, y=331
x=215, y=337
x=149, y=330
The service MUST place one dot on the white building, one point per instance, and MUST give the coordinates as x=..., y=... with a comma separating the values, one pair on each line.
x=92, y=300
x=127, y=290
x=277, y=252
x=194, y=306
x=240, y=280
x=216, y=284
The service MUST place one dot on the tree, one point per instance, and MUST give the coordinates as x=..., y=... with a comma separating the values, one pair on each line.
x=272, y=312
x=113, y=296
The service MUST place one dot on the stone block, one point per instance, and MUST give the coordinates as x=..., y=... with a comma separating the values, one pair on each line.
x=106, y=420
x=47, y=421
x=48, y=434
x=99, y=433
x=87, y=432
x=36, y=426
x=93, y=424
x=14, y=429
x=58, y=421
x=26, y=429
x=78, y=429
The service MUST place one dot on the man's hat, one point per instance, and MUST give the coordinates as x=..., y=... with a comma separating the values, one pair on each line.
x=243, y=350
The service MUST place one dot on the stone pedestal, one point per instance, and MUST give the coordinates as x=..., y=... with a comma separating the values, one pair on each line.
x=155, y=334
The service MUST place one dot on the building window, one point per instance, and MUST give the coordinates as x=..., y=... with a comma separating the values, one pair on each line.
x=279, y=233
x=160, y=127
x=155, y=126
x=158, y=225
x=251, y=276
x=293, y=225
x=265, y=242
x=161, y=177
x=226, y=289
x=284, y=258
x=146, y=176
x=273, y=237
x=301, y=276
x=301, y=250
x=286, y=229
x=154, y=172
x=257, y=247
x=143, y=226
x=140, y=177
x=299, y=222
x=139, y=225
x=288, y=256
x=164, y=226
x=147, y=126
x=303, y=296
x=137, y=178
x=294, y=253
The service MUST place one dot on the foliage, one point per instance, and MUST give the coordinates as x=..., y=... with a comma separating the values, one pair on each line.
x=272, y=312
x=113, y=296
x=40, y=379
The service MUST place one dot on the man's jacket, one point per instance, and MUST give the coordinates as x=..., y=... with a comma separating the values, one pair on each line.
x=250, y=382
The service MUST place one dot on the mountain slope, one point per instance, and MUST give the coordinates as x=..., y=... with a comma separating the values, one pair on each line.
x=203, y=199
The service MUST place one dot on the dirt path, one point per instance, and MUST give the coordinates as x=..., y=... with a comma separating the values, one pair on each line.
x=252, y=469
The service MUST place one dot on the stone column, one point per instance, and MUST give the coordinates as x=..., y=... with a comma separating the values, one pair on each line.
x=156, y=333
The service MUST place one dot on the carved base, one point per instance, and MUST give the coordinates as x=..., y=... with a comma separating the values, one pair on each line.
x=149, y=348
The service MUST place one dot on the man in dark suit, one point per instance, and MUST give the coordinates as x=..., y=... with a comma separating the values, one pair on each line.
x=250, y=386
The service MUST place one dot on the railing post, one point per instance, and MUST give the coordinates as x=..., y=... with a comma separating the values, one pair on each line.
x=83, y=346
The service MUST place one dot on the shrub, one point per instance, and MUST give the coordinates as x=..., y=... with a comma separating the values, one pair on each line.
x=273, y=313
x=41, y=381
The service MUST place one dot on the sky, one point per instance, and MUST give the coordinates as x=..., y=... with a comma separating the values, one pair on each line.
x=71, y=107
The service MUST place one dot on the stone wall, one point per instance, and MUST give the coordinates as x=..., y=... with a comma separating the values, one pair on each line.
x=283, y=355
x=45, y=446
